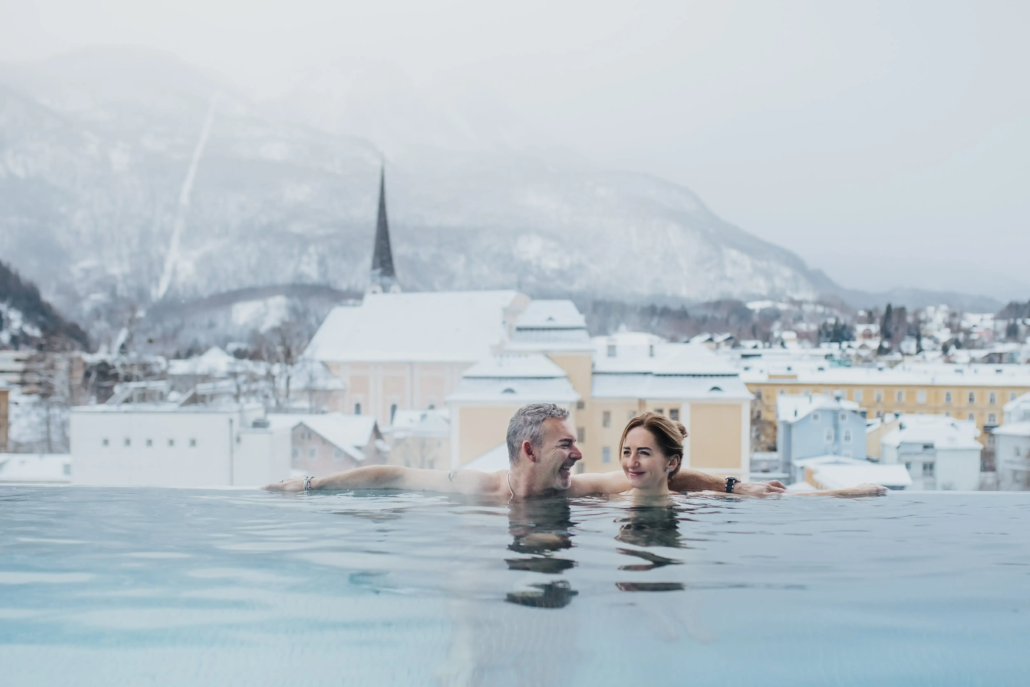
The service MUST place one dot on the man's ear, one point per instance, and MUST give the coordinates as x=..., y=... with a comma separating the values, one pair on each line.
x=527, y=448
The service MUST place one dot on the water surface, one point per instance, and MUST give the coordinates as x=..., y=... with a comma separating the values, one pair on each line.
x=175, y=587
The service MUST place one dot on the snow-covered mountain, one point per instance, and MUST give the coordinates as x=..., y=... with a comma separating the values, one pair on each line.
x=128, y=175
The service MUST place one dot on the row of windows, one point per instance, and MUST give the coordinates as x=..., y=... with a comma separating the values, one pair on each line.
x=149, y=443
x=992, y=418
x=831, y=435
x=928, y=469
x=899, y=396
x=606, y=416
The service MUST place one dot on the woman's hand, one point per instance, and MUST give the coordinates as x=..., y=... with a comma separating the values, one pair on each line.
x=867, y=489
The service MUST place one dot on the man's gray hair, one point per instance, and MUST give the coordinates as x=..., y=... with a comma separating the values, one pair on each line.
x=526, y=425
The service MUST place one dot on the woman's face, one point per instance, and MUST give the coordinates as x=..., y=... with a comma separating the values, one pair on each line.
x=643, y=462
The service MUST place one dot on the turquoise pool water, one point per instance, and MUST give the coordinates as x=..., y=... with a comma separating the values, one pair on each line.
x=173, y=587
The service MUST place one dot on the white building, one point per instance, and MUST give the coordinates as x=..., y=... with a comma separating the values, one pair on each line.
x=408, y=351
x=939, y=452
x=170, y=445
x=1012, y=446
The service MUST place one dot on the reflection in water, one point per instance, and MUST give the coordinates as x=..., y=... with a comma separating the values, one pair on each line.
x=650, y=525
x=491, y=640
x=551, y=595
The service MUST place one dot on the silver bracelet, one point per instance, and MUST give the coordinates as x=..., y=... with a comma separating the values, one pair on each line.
x=307, y=483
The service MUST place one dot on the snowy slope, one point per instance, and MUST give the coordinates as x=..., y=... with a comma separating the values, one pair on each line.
x=96, y=149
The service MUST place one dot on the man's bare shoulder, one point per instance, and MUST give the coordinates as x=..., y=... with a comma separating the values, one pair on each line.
x=587, y=483
x=475, y=482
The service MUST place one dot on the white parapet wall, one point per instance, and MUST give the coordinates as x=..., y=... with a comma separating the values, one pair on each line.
x=159, y=445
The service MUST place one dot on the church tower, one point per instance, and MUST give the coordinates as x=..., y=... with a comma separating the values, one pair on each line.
x=383, y=277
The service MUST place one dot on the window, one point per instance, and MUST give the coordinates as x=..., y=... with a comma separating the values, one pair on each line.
x=1015, y=450
x=171, y=443
x=104, y=442
x=311, y=452
x=879, y=397
x=357, y=409
x=758, y=394
x=972, y=397
x=393, y=412
x=782, y=392
x=829, y=435
x=150, y=442
x=928, y=469
x=847, y=436
x=900, y=397
x=993, y=398
x=843, y=417
x=611, y=350
x=432, y=405
x=947, y=413
x=606, y=418
x=128, y=441
x=992, y=419
x=193, y=443
x=972, y=418
x=674, y=414
x=580, y=405
x=67, y=468
x=947, y=397
x=858, y=395
x=660, y=411
x=580, y=434
x=921, y=397
x=815, y=417
x=606, y=454
x=908, y=466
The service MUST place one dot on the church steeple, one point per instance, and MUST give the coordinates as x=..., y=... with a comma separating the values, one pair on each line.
x=383, y=277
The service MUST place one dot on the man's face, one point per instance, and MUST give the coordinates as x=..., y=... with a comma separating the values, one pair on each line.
x=558, y=453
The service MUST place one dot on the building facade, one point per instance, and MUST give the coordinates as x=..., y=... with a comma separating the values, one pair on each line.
x=818, y=425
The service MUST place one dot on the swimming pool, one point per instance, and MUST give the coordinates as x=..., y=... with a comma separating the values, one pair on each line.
x=175, y=587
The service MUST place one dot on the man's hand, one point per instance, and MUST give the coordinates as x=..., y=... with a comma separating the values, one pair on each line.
x=759, y=489
x=296, y=484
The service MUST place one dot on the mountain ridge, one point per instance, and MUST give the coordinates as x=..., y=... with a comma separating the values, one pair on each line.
x=277, y=200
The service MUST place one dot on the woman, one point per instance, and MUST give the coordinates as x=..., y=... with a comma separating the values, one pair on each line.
x=651, y=452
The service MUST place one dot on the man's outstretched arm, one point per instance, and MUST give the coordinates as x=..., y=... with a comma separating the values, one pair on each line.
x=395, y=477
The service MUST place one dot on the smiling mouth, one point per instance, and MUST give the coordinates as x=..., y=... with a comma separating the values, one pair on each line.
x=566, y=467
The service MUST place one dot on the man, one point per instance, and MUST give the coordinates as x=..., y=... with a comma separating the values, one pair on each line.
x=541, y=450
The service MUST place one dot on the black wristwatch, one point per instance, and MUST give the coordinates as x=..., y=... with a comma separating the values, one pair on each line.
x=730, y=483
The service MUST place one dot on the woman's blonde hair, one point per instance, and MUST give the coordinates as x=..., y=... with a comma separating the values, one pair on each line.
x=667, y=434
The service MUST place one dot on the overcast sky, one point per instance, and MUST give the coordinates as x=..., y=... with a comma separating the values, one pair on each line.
x=885, y=142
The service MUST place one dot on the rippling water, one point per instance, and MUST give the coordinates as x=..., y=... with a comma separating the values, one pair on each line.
x=172, y=587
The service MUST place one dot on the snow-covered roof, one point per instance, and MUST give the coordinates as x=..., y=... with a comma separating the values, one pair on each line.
x=420, y=423
x=1013, y=429
x=511, y=366
x=349, y=433
x=800, y=371
x=651, y=354
x=862, y=472
x=793, y=407
x=493, y=460
x=461, y=326
x=939, y=430
x=1018, y=402
x=515, y=378
x=648, y=367
x=213, y=362
x=672, y=387
x=545, y=314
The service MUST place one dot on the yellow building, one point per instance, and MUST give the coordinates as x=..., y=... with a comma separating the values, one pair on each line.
x=4, y=415
x=604, y=382
x=977, y=393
